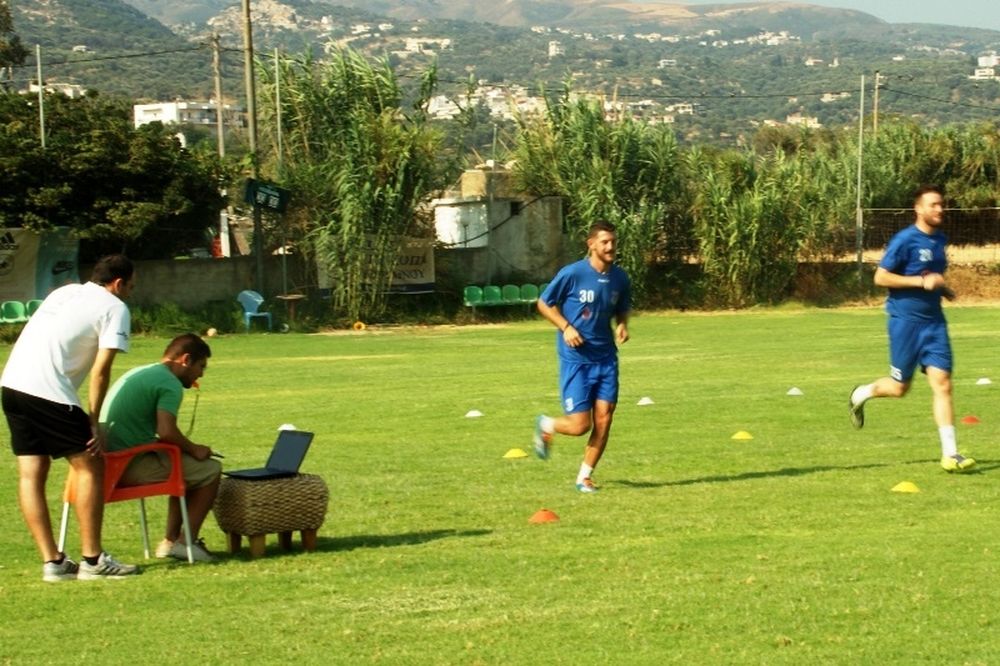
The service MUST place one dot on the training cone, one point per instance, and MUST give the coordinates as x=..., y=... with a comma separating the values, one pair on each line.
x=970, y=420
x=543, y=516
x=983, y=381
x=795, y=390
x=646, y=400
x=473, y=414
x=515, y=453
x=905, y=487
x=742, y=435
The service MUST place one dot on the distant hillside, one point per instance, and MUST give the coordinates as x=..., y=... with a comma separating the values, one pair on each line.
x=576, y=14
x=176, y=12
x=96, y=24
x=733, y=68
x=110, y=46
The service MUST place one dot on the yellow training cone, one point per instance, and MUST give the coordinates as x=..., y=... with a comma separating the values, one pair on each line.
x=742, y=435
x=515, y=453
x=905, y=487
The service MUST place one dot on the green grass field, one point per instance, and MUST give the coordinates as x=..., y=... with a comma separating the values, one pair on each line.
x=789, y=548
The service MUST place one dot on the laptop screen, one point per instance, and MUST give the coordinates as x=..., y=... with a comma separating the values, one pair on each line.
x=289, y=451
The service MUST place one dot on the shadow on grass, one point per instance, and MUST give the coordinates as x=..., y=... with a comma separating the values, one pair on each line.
x=392, y=540
x=982, y=466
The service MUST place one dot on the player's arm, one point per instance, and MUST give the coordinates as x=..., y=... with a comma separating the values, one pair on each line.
x=927, y=281
x=100, y=379
x=167, y=431
x=571, y=336
x=621, y=330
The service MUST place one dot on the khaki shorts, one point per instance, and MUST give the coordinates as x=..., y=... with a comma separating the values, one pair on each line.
x=154, y=466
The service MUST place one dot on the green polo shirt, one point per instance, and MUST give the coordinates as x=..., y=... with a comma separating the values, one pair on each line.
x=129, y=411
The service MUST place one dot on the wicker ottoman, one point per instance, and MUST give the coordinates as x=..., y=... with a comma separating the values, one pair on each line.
x=273, y=506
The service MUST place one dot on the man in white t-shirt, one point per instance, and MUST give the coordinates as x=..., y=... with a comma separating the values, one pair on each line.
x=77, y=330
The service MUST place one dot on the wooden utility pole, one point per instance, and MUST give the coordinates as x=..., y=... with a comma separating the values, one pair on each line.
x=220, y=131
x=248, y=72
x=875, y=106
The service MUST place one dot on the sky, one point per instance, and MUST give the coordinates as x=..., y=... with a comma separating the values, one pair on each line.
x=966, y=13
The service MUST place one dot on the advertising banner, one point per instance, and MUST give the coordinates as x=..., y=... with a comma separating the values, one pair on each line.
x=33, y=264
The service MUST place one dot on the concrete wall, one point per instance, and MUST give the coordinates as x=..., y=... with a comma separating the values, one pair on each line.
x=523, y=234
x=193, y=282
x=526, y=246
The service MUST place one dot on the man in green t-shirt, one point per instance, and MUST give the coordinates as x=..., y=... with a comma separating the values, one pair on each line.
x=141, y=408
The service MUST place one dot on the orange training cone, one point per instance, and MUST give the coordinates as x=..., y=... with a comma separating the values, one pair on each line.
x=543, y=516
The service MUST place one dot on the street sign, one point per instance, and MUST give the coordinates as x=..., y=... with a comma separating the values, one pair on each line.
x=266, y=195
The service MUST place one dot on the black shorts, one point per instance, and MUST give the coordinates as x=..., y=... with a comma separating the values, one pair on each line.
x=40, y=427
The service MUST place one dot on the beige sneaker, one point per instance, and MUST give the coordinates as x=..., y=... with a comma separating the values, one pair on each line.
x=163, y=550
x=198, y=551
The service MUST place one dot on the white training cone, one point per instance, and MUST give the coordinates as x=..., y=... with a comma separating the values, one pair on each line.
x=983, y=381
x=473, y=414
x=646, y=400
x=795, y=390
x=287, y=426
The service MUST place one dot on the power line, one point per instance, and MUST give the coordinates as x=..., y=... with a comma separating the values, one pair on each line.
x=968, y=105
x=538, y=90
x=123, y=56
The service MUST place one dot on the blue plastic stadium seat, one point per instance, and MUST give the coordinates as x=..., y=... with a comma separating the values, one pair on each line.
x=251, y=302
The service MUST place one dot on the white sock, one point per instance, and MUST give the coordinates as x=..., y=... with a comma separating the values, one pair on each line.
x=949, y=446
x=862, y=394
x=548, y=424
x=585, y=472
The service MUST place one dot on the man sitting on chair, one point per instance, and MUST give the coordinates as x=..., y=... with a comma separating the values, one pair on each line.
x=141, y=408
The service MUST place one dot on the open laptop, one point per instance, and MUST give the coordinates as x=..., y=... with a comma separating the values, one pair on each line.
x=287, y=454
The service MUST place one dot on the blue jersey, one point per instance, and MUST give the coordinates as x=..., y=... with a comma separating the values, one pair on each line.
x=912, y=252
x=588, y=300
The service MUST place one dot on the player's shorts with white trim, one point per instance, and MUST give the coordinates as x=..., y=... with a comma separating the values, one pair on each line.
x=913, y=343
x=582, y=384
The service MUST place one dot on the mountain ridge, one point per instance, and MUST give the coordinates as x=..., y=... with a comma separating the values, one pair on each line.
x=745, y=63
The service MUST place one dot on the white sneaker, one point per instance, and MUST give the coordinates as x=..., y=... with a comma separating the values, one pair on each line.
x=163, y=550
x=198, y=551
x=65, y=570
x=106, y=567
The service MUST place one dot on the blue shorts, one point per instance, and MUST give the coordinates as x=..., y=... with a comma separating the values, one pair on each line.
x=913, y=343
x=582, y=384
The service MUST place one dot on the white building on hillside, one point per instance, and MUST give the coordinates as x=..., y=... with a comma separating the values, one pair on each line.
x=187, y=113
x=71, y=90
x=989, y=60
x=984, y=74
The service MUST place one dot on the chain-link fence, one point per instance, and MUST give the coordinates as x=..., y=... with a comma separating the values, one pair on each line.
x=973, y=234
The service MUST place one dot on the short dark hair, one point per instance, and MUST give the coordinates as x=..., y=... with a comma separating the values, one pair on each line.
x=112, y=267
x=598, y=227
x=924, y=189
x=188, y=343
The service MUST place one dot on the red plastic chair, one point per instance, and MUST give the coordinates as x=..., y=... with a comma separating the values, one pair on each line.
x=115, y=463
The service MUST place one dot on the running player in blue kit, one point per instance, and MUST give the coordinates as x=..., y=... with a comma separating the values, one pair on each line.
x=913, y=271
x=581, y=302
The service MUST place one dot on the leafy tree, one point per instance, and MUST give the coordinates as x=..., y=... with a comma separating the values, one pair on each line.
x=625, y=172
x=12, y=51
x=120, y=189
x=358, y=165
